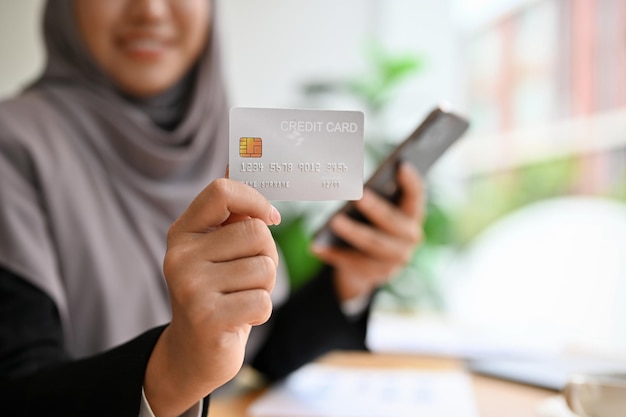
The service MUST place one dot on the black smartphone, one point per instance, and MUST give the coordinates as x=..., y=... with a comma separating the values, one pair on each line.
x=422, y=148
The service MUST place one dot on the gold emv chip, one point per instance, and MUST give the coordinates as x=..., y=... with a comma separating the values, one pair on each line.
x=250, y=147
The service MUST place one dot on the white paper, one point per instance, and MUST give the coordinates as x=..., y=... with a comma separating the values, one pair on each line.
x=331, y=391
x=417, y=334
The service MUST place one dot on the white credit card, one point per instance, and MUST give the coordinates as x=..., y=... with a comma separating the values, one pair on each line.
x=295, y=154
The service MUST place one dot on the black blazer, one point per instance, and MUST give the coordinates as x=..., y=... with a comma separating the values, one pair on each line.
x=38, y=379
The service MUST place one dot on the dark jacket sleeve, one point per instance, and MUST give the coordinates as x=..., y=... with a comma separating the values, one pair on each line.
x=37, y=379
x=310, y=324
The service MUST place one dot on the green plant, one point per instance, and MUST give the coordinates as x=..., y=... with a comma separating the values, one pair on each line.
x=294, y=241
x=386, y=71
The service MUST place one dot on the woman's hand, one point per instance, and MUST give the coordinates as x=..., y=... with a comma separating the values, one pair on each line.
x=382, y=248
x=220, y=268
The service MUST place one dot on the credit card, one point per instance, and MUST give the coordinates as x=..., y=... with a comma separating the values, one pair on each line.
x=297, y=154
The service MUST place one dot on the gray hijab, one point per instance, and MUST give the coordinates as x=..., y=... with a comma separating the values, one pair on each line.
x=90, y=183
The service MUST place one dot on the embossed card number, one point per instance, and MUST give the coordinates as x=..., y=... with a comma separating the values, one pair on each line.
x=295, y=154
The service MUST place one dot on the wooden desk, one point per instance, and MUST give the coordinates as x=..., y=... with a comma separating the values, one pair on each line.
x=494, y=398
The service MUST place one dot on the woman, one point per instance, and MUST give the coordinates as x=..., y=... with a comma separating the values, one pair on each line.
x=131, y=274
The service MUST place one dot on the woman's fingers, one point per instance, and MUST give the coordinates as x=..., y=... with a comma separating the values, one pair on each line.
x=253, y=307
x=249, y=237
x=413, y=201
x=373, y=241
x=382, y=246
x=392, y=228
x=218, y=202
x=206, y=259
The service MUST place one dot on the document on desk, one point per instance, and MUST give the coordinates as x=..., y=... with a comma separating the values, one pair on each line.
x=330, y=391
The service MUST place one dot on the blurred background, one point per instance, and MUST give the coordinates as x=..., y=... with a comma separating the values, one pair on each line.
x=525, y=249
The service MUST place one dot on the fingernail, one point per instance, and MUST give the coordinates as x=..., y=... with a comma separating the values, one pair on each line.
x=275, y=216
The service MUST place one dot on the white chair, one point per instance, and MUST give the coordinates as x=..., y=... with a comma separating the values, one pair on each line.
x=554, y=270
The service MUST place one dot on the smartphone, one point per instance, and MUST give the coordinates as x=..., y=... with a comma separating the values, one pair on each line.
x=439, y=130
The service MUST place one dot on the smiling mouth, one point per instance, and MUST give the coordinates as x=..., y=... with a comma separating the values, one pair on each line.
x=145, y=48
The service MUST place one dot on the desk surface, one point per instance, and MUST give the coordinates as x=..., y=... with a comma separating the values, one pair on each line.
x=494, y=397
